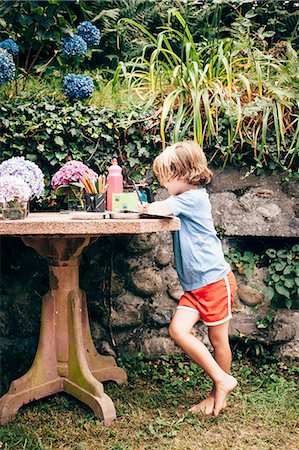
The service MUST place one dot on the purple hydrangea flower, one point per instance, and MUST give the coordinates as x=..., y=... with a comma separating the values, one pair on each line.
x=28, y=171
x=78, y=86
x=89, y=33
x=11, y=46
x=13, y=187
x=7, y=66
x=72, y=171
x=73, y=46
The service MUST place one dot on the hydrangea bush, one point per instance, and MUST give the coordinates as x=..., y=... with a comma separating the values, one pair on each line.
x=11, y=46
x=89, y=33
x=7, y=66
x=78, y=86
x=28, y=171
x=70, y=173
x=74, y=46
x=67, y=181
x=13, y=187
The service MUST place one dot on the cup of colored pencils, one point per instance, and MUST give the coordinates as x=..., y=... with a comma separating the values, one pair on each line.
x=95, y=192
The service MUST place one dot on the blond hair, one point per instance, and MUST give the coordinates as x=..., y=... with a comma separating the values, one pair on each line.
x=184, y=161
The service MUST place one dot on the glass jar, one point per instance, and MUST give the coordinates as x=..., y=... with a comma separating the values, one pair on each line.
x=15, y=209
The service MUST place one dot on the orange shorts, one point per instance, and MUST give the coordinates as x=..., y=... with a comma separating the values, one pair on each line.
x=212, y=302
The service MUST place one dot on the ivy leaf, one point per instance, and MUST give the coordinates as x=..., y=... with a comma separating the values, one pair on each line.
x=41, y=147
x=59, y=141
x=61, y=155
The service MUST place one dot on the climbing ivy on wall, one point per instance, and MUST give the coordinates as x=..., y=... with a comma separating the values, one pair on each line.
x=51, y=133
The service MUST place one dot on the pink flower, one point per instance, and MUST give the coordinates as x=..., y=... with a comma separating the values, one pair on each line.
x=72, y=171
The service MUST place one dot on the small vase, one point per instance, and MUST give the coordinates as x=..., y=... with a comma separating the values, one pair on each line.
x=75, y=204
x=15, y=209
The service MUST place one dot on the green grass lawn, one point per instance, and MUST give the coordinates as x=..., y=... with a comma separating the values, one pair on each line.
x=152, y=412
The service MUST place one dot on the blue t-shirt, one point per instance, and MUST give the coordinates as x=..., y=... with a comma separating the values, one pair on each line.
x=198, y=251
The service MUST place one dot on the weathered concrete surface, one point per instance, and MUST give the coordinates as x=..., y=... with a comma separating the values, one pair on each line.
x=83, y=224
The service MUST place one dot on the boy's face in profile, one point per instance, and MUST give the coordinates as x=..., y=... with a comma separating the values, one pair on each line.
x=176, y=187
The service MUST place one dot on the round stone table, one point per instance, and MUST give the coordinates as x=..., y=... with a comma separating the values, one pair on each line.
x=66, y=358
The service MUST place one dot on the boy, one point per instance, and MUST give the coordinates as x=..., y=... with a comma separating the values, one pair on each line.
x=205, y=276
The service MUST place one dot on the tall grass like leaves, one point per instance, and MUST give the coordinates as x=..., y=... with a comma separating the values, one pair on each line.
x=202, y=88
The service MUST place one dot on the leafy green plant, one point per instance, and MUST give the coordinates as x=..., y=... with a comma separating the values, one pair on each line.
x=245, y=262
x=175, y=370
x=50, y=131
x=224, y=93
x=265, y=322
x=40, y=26
x=283, y=279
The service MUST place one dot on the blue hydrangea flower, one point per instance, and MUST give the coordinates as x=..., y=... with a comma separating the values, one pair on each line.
x=73, y=46
x=89, y=33
x=11, y=46
x=7, y=66
x=78, y=86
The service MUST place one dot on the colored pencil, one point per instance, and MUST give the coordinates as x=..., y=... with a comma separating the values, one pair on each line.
x=137, y=192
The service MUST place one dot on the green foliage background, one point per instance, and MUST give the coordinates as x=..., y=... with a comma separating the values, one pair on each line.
x=39, y=122
x=51, y=132
x=38, y=26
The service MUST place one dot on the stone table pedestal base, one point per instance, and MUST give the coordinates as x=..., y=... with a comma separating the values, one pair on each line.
x=66, y=358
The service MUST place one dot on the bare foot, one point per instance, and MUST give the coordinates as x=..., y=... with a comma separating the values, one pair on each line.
x=223, y=389
x=206, y=406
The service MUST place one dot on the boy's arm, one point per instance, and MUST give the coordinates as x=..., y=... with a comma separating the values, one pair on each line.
x=160, y=208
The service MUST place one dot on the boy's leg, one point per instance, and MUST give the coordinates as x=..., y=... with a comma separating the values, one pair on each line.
x=180, y=331
x=218, y=336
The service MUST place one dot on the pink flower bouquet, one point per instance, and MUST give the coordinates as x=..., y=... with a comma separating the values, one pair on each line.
x=67, y=181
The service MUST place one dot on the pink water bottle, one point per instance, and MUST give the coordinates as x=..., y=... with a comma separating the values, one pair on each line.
x=115, y=181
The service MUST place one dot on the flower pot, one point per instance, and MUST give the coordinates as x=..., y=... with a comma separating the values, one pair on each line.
x=15, y=210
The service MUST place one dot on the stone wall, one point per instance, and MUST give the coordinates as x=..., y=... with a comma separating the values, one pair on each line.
x=132, y=286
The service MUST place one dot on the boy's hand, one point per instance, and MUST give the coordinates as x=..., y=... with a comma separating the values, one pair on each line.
x=159, y=207
x=142, y=207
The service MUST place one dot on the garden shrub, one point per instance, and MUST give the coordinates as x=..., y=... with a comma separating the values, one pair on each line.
x=39, y=26
x=283, y=277
x=50, y=133
x=224, y=94
x=282, y=280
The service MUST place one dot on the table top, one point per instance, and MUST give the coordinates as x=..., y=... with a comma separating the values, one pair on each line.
x=75, y=224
